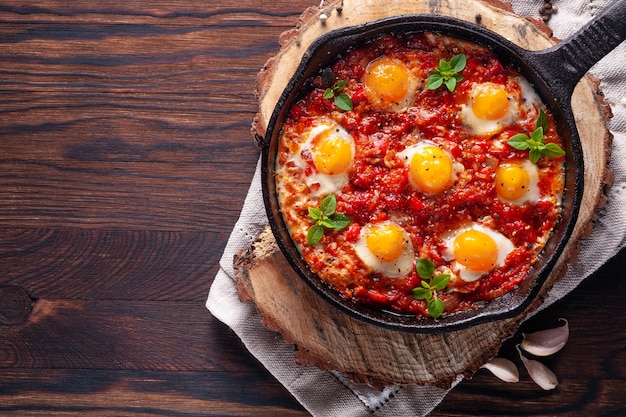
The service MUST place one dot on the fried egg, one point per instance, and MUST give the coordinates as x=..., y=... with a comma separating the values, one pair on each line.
x=474, y=250
x=385, y=248
x=432, y=170
x=330, y=149
x=389, y=84
x=491, y=107
x=517, y=182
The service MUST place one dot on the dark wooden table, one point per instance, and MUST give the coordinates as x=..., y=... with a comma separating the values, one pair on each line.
x=125, y=156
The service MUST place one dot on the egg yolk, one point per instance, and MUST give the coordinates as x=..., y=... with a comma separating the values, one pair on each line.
x=512, y=181
x=386, y=241
x=489, y=101
x=387, y=78
x=431, y=170
x=332, y=154
x=475, y=250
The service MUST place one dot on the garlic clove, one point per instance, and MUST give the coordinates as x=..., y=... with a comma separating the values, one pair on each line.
x=503, y=369
x=541, y=374
x=546, y=342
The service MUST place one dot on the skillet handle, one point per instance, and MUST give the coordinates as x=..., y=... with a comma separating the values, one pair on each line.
x=568, y=61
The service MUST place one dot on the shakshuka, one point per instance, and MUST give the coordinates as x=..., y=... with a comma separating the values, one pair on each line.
x=418, y=172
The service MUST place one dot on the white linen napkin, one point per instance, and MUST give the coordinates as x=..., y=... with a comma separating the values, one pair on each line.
x=330, y=394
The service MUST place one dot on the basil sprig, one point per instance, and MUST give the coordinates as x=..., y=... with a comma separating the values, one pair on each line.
x=341, y=99
x=325, y=217
x=535, y=143
x=448, y=73
x=430, y=285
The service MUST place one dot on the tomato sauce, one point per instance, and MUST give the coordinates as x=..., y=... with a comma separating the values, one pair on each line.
x=378, y=184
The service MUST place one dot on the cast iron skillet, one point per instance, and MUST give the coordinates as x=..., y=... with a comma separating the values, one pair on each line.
x=554, y=72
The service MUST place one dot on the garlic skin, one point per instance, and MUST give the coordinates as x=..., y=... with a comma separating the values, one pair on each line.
x=546, y=342
x=541, y=374
x=503, y=368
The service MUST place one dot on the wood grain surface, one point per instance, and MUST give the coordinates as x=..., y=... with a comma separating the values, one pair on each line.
x=125, y=156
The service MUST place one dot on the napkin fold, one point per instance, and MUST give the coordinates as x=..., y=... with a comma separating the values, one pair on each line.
x=330, y=394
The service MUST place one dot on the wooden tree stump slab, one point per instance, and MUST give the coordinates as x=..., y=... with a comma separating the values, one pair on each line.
x=331, y=340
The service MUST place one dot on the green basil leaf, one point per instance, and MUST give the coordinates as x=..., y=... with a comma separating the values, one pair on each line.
x=538, y=136
x=314, y=235
x=340, y=85
x=552, y=150
x=444, y=66
x=451, y=84
x=435, y=307
x=458, y=62
x=534, y=156
x=440, y=281
x=344, y=102
x=434, y=81
x=329, y=205
x=315, y=213
x=328, y=223
x=341, y=220
x=424, y=268
x=421, y=293
x=435, y=76
x=329, y=93
x=542, y=121
x=519, y=141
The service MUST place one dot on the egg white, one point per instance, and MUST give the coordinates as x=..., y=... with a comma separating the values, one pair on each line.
x=319, y=183
x=505, y=246
x=394, y=269
x=530, y=100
